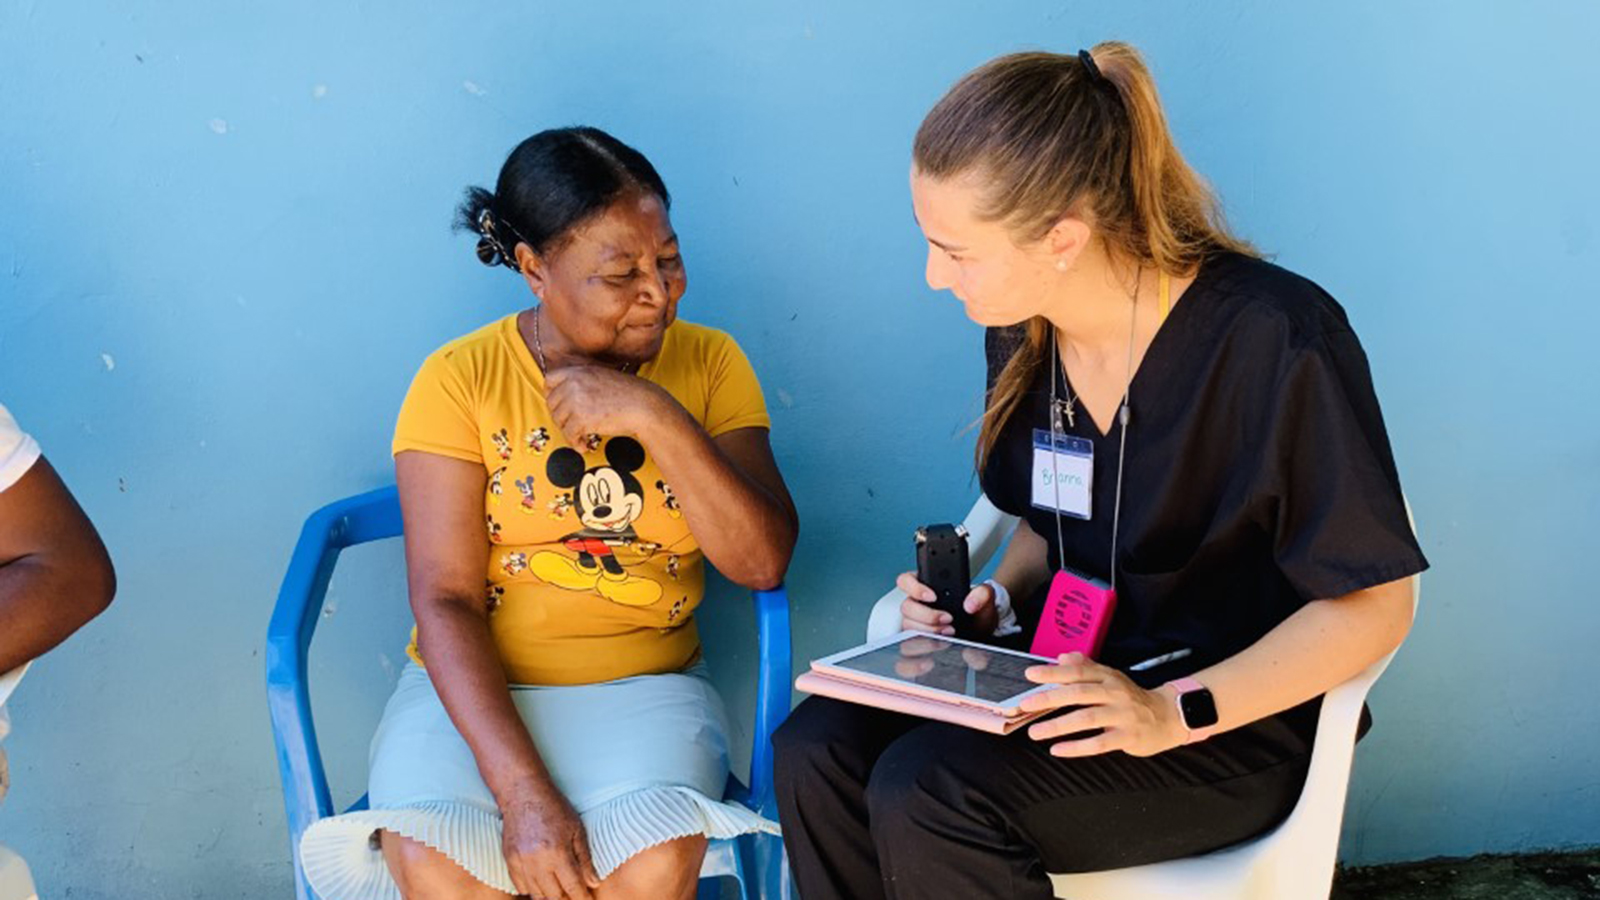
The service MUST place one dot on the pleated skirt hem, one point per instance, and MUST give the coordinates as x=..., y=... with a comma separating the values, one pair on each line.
x=343, y=863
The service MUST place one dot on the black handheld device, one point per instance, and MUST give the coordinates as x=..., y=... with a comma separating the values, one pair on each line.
x=942, y=564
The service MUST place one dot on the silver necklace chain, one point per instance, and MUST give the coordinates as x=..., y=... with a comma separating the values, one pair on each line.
x=1066, y=409
x=1059, y=407
x=538, y=346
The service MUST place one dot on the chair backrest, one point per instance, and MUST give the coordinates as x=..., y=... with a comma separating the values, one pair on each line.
x=1313, y=827
x=9, y=681
x=987, y=528
x=16, y=882
x=354, y=520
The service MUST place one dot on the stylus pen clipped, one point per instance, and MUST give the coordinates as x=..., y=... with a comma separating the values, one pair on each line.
x=1154, y=661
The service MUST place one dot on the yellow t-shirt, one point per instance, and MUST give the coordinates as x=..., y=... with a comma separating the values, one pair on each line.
x=593, y=574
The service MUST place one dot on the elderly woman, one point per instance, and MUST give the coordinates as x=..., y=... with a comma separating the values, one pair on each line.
x=564, y=472
x=1233, y=480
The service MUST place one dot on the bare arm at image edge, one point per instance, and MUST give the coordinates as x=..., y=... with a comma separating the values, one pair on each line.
x=55, y=574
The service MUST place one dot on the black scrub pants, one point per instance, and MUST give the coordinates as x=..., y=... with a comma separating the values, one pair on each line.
x=875, y=804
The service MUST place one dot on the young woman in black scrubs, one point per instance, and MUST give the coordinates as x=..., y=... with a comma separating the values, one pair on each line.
x=1243, y=496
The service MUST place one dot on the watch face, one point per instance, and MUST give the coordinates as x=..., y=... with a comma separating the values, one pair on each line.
x=1199, y=710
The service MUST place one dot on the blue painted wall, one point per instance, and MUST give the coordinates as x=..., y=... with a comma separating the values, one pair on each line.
x=224, y=249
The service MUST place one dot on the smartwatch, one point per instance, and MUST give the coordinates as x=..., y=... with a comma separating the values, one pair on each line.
x=1196, y=707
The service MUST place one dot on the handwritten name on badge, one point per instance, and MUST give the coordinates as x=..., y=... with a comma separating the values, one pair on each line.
x=1063, y=474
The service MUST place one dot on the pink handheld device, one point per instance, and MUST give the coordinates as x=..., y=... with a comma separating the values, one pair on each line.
x=1077, y=614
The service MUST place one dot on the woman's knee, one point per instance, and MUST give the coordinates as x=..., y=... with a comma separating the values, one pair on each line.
x=894, y=778
x=801, y=745
x=927, y=776
x=666, y=871
x=422, y=872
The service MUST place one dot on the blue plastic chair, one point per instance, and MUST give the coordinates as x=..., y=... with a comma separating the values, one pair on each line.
x=375, y=516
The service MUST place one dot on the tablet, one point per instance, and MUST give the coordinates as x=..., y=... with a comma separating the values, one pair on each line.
x=940, y=668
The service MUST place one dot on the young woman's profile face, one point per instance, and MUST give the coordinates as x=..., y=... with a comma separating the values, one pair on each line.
x=999, y=282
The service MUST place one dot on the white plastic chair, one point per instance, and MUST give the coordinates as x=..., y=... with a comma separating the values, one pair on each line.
x=16, y=882
x=1294, y=861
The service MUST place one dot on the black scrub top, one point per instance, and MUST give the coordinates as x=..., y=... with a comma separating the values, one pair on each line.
x=1259, y=475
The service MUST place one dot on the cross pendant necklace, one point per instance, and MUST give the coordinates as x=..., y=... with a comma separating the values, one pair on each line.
x=1061, y=409
x=1065, y=408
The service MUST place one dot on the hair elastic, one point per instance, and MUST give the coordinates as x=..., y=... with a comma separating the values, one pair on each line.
x=1093, y=67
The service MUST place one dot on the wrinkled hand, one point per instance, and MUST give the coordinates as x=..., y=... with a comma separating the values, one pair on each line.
x=1129, y=718
x=546, y=847
x=917, y=612
x=587, y=400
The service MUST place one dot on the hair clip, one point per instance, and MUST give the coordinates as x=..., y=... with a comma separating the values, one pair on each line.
x=489, y=252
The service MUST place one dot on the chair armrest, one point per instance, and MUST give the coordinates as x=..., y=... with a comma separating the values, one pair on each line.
x=987, y=528
x=773, y=692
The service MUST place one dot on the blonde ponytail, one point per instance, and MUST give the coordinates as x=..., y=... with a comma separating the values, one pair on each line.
x=1052, y=135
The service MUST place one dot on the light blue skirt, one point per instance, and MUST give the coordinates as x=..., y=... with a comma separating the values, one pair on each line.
x=643, y=760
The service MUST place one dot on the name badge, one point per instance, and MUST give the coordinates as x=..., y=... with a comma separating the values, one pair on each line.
x=1063, y=474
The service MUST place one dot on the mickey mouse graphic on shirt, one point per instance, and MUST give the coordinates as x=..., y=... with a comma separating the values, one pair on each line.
x=608, y=499
x=537, y=439
x=670, y=504
x=502, y=444
x=525, y=487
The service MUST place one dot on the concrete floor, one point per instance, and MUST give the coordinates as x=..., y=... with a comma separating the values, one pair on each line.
x=1569, y=876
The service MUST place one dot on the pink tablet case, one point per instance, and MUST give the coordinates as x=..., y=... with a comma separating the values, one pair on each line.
x=894, y=701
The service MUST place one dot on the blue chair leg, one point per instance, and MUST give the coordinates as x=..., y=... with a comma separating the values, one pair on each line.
x=742, y=872
x=752, y=871
x=766, y=867
x=712, y=888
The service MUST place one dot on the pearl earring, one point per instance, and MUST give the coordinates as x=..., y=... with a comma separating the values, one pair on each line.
x=1061, y=265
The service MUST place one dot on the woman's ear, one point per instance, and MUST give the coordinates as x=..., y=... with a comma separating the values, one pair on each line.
x=1066, y=241
x=533, y=268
